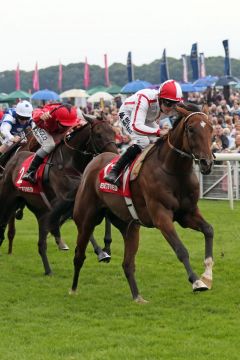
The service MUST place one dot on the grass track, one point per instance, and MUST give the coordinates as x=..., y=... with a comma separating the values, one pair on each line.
x=40, y=321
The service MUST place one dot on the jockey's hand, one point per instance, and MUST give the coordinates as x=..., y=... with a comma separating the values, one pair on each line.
x=162, y=132
x=16, y=139
x=45, y=116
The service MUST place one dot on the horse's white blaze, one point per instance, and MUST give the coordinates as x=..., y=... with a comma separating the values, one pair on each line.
x=203, y=124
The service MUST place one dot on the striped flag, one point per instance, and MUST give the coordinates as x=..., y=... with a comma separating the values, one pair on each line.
x=202, y=68
x=86, y=77
x=164, y=74
x=107, y=83
x=185, y=68
x=60, y=77
x=194, y=62
x=36, y=78
x=227, y=63
x=17, y=78
x=130, y=71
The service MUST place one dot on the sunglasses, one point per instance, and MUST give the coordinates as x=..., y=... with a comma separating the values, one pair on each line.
x=168, y=103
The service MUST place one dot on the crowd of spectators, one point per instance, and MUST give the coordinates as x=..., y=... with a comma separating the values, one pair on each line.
x=223, y=113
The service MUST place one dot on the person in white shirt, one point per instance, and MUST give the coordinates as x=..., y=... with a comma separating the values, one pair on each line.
x=138, y=116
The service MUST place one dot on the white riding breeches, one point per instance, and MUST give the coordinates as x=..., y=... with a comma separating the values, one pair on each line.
x=45, y=139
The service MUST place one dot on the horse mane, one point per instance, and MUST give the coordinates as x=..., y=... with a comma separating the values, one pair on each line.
x=187, y=106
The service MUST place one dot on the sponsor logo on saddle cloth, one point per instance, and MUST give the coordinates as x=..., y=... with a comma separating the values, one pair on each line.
x=130, y=173
x=26, y=186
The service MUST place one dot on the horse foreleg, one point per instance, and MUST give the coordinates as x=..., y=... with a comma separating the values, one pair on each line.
x=11, y=233
x=197, y=222
x=163, y=220
x=107, y=237
x=42, y=246
x=101, y=254
x=58, y=239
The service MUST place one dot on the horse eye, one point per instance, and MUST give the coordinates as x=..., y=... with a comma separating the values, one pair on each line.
x=190, y=129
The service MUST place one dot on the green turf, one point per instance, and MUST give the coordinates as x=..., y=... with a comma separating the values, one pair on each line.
x=40, y=321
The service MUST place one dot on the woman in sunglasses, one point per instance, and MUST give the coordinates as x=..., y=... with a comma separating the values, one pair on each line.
x=14, y=124
x=138, y=116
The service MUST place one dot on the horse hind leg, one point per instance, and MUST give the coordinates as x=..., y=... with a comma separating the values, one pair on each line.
x=11, y=233
x=42, y=246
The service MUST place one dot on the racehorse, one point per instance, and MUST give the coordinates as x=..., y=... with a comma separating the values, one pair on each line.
x=166, y=190
x=66, y=165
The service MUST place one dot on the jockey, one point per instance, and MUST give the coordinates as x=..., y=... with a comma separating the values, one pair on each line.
x=14, y=123
x=138, y=116
x=51, y=123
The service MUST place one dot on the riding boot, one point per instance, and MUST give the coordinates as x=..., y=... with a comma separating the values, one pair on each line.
x=123, y=161
x=30, y=174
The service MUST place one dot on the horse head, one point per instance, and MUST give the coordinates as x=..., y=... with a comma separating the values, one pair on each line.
x=197, y=135
x=102, y=136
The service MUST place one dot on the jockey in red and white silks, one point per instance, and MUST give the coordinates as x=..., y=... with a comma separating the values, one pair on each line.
x=139, y=112
x=138, y=115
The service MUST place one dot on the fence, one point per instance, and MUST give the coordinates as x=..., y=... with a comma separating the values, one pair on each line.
x=223, y=182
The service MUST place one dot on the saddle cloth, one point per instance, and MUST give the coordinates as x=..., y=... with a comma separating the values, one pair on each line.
x=129, y=174
x=26, y=186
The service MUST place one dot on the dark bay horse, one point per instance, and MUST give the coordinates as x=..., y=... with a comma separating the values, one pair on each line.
x=166, y=190
x=66, y=165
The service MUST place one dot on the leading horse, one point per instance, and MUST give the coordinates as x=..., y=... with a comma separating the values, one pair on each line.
x=166, y=190
x=66, y=165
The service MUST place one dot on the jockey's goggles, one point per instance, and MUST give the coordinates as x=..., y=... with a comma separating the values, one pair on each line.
x=23, y=118
x=168, y=103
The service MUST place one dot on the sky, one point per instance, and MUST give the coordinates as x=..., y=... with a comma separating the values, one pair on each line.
x=53, y=31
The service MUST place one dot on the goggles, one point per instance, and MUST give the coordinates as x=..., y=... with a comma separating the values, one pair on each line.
x=168, y=103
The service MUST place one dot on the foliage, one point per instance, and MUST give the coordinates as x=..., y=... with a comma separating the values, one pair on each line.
x=40, y=321
x=73, y=74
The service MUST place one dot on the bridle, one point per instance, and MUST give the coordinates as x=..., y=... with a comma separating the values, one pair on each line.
x=183, y=153
x=91, y=143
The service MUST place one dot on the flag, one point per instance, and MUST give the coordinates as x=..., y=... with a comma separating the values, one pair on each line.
x=185, y=68
x=130, y=71
x=86, y=77
x=107, y=83
x=194, y=62
x=202, y=68
x=18, y=86
x=60, y=77
x=227, y=63
x=36, y=78
x=164, y=74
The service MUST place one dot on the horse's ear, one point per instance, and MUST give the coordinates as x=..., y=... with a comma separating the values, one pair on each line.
x=205, y=109
x=89, y=118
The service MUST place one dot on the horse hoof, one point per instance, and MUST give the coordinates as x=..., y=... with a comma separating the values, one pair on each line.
x=48, y=273
x=206, y=281
x=103, y=256
x=199, y=285
x=63, y=246
x=140, y=300
x=72, y=292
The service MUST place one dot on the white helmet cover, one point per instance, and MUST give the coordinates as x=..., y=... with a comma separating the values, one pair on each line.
x=24, y=108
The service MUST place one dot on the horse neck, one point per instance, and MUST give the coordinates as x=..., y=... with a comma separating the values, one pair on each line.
x=171, y=160
x=72, y=150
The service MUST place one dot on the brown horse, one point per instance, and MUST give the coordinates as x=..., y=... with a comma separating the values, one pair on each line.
x=166, y=190
x=67, y=163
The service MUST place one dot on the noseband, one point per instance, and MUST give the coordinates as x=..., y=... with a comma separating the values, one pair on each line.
x=183, y=153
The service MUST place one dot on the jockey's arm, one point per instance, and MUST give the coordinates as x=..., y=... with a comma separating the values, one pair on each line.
x=138, y=118
x=6, y=128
